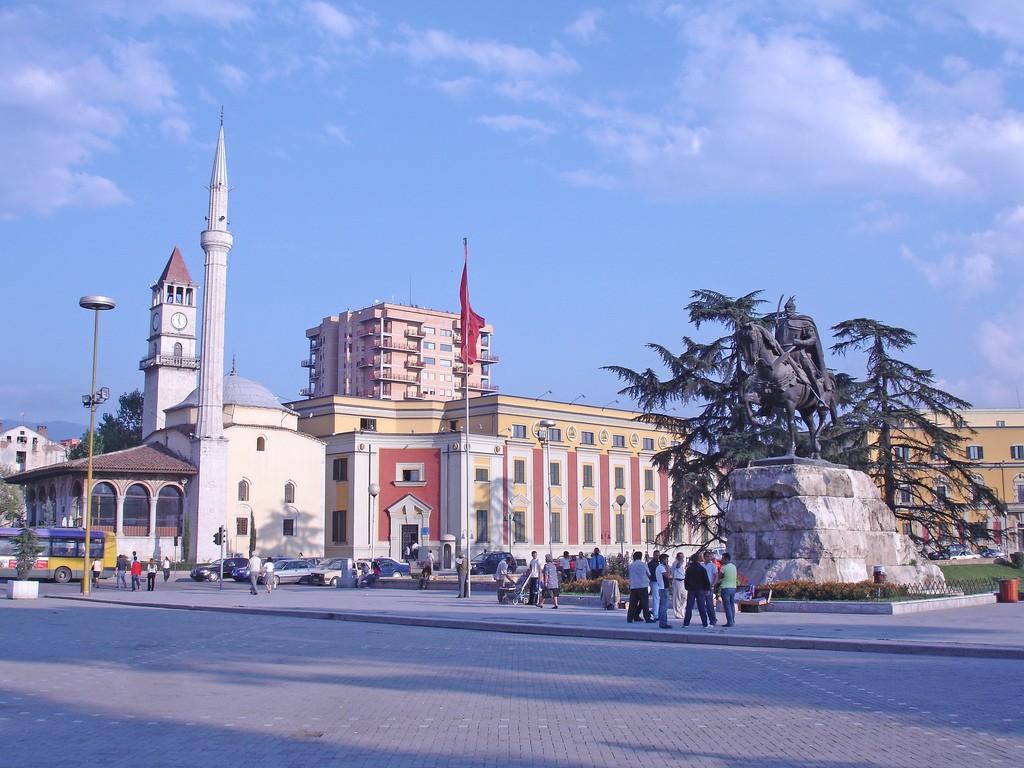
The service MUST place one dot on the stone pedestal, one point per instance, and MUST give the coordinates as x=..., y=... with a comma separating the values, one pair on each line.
x=816, y=521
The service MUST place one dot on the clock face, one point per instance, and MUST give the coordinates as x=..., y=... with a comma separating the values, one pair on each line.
x=156, y=322
x=179, y=321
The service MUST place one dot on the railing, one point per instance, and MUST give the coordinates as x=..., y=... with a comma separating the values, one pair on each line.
x=177, y=362
x=485, y=357
x=168, y=530
x=485, y=387
x=414, y=333
x=136, y=530
x=369, y=330
x=412, y=394
x=367, y=362
x=390, y=343
x=414, y=362
x=308, y=363
x=393, y=376
x=306, y=391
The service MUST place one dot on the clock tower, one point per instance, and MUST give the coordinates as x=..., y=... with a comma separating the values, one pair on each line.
x=170, y=365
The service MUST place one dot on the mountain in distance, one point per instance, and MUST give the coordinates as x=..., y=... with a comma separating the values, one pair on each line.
x=56, y=430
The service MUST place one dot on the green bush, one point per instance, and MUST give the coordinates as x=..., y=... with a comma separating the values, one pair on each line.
x=1017, y=558
x=831, y=590
x=26, y=550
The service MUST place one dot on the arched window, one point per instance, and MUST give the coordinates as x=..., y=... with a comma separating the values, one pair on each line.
x=75, y=518
x=261, y=443
x=103, y=507
x=177, y=349
x=243, y=490
x=169, y=511
x=289, y=493
x=135, y=515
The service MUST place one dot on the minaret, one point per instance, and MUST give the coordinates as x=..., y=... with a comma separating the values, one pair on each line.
x=208, y=496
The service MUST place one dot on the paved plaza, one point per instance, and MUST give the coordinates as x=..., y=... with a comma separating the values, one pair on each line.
x=115, y=685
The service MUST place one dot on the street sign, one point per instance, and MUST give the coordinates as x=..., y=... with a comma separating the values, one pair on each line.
x=424, y=531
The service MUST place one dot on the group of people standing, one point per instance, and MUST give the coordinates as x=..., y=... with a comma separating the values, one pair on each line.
x=690, y=582
x=124, y=567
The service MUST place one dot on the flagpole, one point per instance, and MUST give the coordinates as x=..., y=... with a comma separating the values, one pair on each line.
x=465, y=432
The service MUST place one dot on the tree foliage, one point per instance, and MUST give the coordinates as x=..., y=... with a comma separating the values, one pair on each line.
x=115, y=431
x=699, y=403
x=11, y=499
x=26, y=549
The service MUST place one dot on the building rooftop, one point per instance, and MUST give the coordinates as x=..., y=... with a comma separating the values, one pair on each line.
x=176, y=270
x=153, y=458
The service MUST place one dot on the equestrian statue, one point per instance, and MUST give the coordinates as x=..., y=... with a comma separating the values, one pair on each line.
x=786, y=374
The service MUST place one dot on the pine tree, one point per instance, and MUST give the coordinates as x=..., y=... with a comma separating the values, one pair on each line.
x=908, y=434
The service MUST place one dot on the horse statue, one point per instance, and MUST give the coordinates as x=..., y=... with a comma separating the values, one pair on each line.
x=779, y=384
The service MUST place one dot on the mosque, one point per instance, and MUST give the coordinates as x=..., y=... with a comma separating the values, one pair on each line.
x=217, y=450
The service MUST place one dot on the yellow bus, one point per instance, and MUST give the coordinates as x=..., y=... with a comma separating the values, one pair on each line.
x=63, y=550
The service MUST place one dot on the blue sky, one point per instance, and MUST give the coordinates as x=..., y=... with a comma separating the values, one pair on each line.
x=604, y=161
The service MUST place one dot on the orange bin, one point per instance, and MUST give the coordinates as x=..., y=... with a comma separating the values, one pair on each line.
x=1008, y=590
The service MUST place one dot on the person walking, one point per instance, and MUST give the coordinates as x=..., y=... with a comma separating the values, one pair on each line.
x=121, y=569
x=268, y=574
x=652, y=566
x=151, y=569
x=255, y=567
x=661, y=576
x=462, y=572
x=727, y=586
x=136, y=574
x=709, y=598
x=503, y=578
x=533, y=577
x=167, y=568
x=597, y=564
x=639, y=590
x=678, y=590
x=97, y=569
x=550, y=578
x=582, y=567
x=428, y=569
x=697, y=586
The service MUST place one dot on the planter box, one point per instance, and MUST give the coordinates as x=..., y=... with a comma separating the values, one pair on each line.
x=22, y=590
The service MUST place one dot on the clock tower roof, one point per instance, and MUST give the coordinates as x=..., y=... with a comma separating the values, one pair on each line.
x=176, y=271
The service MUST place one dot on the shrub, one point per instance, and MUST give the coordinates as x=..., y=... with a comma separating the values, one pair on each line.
x=1017, y=558
x=832, y=590
x=26, y=550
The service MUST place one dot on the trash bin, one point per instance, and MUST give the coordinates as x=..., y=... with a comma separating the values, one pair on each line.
x=879, y=574
x=1008, y=591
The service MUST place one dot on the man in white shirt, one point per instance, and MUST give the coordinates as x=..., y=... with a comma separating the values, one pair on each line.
x=678, y=588
x=255, y=565
x=503, y=579
x=639, y=590
x=533, y=579
x=661, y=584
x=712, y=568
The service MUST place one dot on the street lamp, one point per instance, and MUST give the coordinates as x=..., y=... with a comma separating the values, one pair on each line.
x=544, y=435
x=95, y=397
x=621, y=501
x=373, y=489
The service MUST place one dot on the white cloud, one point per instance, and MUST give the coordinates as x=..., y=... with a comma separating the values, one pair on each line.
x=1000, y=19
x=968, y=274
x=232, y=77
x=589, y=179
x=585, y=26
x=331, y=20
x=488, y=56
x=876, y=218
x=337, y=132
x=175, y=128
x=216, y=11
x=456, y=88
x=515, y=124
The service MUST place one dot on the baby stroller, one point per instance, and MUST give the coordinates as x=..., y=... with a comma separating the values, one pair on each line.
x=518, y=593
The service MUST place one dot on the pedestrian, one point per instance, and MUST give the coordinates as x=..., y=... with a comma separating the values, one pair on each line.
x=167, y=568
x=652, y=566
x=565, y=564
x=709, y=598
x=151, y=569
x=121, y=569
x=678, y=588
x=697, y=586
x=533, y=577
x=661, y=576
x=582, y=567
x=97, y=569
x=364, y=574
x=428, y=569
x=461, y=571
x=727, y=585
x=136, y=573
x=550, y=581
x=639, y=590
x=255, y=566
x=268, y=574
x=503, y=578
x=597, y=564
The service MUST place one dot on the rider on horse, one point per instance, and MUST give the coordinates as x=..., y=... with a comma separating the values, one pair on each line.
x=799, y=339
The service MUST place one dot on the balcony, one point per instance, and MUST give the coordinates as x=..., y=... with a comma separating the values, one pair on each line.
x=487, y=358
x=389, y=375
x=306, y=391
x=369, y=330
x=485, y=387
x=390, y=343
x=192, y=363
x=414, y=332
x=309, y=362
x=369, y=362
x=414, y=362
x=413, y=394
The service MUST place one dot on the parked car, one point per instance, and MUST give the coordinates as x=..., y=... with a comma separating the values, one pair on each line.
x=241, y=573
x=391, y=567
x=960, y=552
x=487, y=562
x=211, y=571
x=291, y=572
x=937, y=554
x=327, y=572
x=992, y=552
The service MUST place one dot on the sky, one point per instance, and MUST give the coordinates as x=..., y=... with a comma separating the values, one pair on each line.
x=604, y=160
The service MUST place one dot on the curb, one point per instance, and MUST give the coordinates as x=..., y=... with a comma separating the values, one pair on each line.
x=896, y=647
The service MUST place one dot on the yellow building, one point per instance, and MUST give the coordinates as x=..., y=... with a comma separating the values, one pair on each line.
x=604, y=491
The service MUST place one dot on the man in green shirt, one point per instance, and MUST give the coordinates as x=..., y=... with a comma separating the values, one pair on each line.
x=727, y=586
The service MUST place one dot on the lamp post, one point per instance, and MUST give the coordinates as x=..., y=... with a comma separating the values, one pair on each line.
x=372, y=489
x=544, y=436
x=95, y=397
x=621, y=532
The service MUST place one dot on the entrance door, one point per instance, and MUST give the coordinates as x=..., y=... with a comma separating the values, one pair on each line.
x=410, y=535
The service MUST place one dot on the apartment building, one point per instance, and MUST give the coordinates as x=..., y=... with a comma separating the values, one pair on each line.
x=23, y=448
x=396, y=474
x=394, y=352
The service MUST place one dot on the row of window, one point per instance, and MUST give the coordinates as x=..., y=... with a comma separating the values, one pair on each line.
x=974, y=452
x=518, y=525
x=245, y=488
x=242, y=526
x=586, y=437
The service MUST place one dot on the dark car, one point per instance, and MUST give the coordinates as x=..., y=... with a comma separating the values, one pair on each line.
x=211, y=571
x=487, y=562
x=390, y=567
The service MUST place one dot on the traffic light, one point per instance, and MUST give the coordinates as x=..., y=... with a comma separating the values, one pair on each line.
x=218, y=537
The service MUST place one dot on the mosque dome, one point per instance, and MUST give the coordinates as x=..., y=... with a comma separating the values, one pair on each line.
x=239, y=390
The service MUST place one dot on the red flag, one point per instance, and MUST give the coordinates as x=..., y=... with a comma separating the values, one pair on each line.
x=470, y=321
